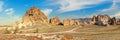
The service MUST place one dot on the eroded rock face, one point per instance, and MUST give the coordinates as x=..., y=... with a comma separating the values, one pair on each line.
x=101, y=20
x=71, y=22
x=105, y=20
x=32, y=17
x=68, y=22
x=94, y=18
x=54, y=21
x=77, y=23
x=114, y=21
x=65, y=22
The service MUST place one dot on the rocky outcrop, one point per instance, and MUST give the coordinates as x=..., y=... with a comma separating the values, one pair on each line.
x=118, y=21
x=114, y=21
x=105, y=20
x=93, y=18
x=77, y=23
x=101, y=20
x=68, y=22
x=71, y=22
x=33, y=17
x=54, y=21
x=65, y=22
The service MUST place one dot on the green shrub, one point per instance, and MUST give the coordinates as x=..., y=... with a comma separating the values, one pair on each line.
x=36, y=30
x=7, y=31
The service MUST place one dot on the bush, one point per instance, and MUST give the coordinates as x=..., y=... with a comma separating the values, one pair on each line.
x=7, y=31
x=36, y=30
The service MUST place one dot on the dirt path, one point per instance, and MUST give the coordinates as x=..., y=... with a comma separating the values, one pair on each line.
x=73, y=30
x=69, y=31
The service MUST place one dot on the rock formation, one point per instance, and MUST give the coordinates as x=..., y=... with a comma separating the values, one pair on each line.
x=77, y=22
x=71, y=22
x=94, y=18
x=54, y=21
x=105, y=20
x=33, y=17
x=65, y=22
x=68, y=22
x=118, y=23
x=114, y=21
x=101, y=20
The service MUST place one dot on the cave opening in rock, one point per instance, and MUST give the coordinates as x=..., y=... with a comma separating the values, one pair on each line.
x=30, y=14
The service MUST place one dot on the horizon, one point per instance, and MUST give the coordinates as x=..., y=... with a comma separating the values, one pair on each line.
x=13, y=10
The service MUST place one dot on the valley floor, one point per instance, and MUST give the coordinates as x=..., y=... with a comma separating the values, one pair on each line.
x=86, y=32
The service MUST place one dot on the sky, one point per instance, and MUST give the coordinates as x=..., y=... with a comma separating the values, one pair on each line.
x=13, y=10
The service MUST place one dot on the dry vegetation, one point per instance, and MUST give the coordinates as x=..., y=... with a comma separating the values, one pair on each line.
x=87, y=32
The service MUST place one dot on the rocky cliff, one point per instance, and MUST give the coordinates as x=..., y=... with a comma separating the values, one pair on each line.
x=33, y=17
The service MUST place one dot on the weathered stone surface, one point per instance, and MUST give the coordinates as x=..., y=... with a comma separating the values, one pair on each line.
x=68, y=22
x=71, y=22
x=118, y=22
x=105, y=20
x=77, y=22
x=54, y=21
x=114, y=21
x=65, y=22
x=33, y=17
x=94, y=18
x=102, y=20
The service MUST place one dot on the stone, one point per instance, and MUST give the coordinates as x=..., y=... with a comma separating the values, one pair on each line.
x=67, y=37
x=102, y=20
x=65, y=22
x=71, y=22
x=68, y=22
x=77, y=22
x=33, y=17
x=93, y=18
x=101, y=23
x=54, y=21
x=118, y=22
x=114, y=21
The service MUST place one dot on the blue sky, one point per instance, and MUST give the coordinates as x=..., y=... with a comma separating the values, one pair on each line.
x=13, y=10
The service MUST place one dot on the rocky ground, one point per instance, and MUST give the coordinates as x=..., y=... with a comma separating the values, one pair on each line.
x=86, y=32
x=17, y=37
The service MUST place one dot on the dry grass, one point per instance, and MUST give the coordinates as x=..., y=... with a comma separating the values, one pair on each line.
x=87, y=32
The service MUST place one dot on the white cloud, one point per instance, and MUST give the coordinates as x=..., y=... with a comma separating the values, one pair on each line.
x=9, y=11
x=117, y=14
x=113, y=7
x=114, y=10
x=71, y=5
x=47, y=11
x=1, y=5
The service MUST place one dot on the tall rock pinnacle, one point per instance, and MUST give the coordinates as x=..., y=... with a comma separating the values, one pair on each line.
x=34, y=16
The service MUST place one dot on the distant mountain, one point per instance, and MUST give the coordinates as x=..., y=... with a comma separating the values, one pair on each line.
x=83, y=19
